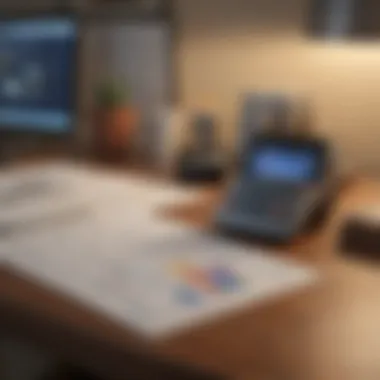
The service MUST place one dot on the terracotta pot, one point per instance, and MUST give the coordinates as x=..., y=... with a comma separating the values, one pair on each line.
x=115, y=130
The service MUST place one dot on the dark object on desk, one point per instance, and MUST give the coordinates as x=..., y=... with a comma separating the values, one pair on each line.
x=202, y=161
x=206, y=168
x=283, y=190
x=360, y=238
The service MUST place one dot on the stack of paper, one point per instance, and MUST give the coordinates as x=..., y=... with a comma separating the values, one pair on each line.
x=40, y=197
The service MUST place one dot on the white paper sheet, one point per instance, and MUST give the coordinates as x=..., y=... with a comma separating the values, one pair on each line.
x=133, y=277
x=154, y=276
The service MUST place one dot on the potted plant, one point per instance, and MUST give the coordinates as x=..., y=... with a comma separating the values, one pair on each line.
x=115, y=122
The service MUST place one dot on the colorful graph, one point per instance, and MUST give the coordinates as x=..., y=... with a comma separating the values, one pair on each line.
x=196, y=282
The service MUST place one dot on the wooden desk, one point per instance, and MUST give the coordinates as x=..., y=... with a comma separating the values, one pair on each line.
x=328, y=332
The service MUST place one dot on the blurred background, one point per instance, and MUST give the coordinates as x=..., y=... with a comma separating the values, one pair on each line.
x=179, y=58
x=181, y=87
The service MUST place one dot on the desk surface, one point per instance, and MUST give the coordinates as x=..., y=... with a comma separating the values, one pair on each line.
x=327, y=332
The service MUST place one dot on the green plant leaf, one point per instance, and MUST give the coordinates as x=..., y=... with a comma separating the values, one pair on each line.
x=111, y=94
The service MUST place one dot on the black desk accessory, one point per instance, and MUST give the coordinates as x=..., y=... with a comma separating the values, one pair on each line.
x=283, y=190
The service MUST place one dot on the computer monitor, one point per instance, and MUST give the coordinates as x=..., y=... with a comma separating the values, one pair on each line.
x=38, y=67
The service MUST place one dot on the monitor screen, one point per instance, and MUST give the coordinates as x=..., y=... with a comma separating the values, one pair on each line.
x=37, y=74
x=285, y=164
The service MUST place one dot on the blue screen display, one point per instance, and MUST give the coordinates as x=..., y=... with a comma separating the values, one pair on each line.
x=37, y=68
x=285, y=164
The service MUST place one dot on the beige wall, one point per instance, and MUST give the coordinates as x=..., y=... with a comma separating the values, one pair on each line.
x=233, y=46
